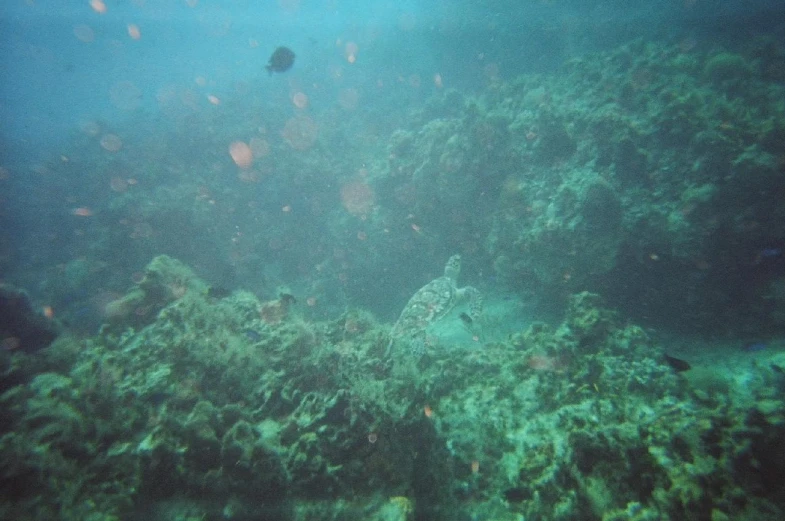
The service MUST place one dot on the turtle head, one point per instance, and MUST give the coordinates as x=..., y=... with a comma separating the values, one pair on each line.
x=453, y=267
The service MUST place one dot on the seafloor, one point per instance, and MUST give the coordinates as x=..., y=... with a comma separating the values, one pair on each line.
x=231, y=408
x=636, y=186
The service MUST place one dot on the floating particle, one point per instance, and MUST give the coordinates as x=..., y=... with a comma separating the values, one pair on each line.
x=358, y=198
x=10, y=343
x=111, y=142
x=241, y=154
x=91, y=128
x=134, y=32
x=118, y=184
x=98, y=6
x=82, y=211
x=300, y=100
x=84, y=33
x=350, y=51
x=300, y=133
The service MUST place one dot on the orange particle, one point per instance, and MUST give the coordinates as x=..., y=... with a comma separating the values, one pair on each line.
x=134, y=32
x=213, y=99
x=241, y=154
x=48, y=311
x=475, y=467
x=428, y=411
x=82, y=211
x=98, y=6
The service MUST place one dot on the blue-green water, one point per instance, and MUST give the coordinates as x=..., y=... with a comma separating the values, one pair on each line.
x=226, y=294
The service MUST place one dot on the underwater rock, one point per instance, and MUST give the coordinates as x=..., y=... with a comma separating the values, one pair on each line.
x=165, y=280
x=588, y=318
x=21, y=327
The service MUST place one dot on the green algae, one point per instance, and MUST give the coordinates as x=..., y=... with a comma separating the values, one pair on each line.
x=308, y=420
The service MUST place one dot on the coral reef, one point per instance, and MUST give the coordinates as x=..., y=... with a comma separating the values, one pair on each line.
x=208, y=411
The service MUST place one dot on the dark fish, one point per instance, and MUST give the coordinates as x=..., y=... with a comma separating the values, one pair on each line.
x=466, y=319
x=287, y=298
x=755, y=347
x=281, y=60
x=218, y=292
x=677, y=364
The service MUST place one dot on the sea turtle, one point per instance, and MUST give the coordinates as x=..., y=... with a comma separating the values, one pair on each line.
x=432, y=302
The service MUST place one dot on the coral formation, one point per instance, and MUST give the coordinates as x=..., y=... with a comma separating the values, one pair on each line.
x=210, y=411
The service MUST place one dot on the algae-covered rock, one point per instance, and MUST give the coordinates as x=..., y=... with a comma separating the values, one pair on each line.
x=306, y=420
x=587, y=317
x=726, y=66
x=164, y=280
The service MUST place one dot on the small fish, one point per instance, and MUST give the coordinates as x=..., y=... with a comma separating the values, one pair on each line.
x=677, y=364
x=466, y=318
x=755, y=347
x=281, y=60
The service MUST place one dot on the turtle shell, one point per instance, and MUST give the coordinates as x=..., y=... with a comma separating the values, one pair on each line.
x=429, y=304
